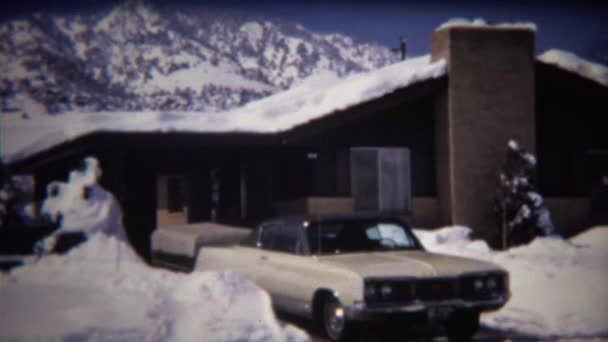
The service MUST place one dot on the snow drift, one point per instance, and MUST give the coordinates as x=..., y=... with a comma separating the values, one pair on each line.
x=559, y=287
x=102, y=291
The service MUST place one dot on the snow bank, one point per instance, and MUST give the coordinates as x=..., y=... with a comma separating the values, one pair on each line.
x=479, y=22
x=575, y=64
x=320, y=96
x=559, y=287
x=102, y=291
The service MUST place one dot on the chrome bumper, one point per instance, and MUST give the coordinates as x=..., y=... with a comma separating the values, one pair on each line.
x=359, y=311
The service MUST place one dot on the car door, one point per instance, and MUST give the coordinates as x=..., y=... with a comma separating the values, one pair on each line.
x=285, y=270
x=242, y=259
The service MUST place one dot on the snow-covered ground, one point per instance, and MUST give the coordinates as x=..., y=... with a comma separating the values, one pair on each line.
x=102, y=291
x=559, y=287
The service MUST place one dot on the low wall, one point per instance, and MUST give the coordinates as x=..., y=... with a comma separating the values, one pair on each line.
x=315, y=205
x=425, y=210
x=165, y=218
x=570, y=215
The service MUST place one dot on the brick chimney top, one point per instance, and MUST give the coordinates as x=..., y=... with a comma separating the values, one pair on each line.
x=455, y=34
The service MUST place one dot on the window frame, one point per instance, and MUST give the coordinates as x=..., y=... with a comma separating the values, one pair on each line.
x=408, y=231
x=290, y=239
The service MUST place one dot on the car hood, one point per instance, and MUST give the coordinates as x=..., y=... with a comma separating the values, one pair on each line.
x=406, y=264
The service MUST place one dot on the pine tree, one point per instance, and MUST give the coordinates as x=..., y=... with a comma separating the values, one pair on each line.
x=519, y=206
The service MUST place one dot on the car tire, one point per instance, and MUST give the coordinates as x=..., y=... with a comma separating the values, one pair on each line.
x=462, y=325
x=334, y=322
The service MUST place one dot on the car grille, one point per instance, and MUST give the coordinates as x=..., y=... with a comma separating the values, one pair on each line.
x=432, y=289
x=435, y=289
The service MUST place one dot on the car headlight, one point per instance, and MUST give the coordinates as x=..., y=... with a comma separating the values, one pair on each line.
x=492, y=284
x=378, y=291
x=370, y=291
x=478, y=284
x=386, y=290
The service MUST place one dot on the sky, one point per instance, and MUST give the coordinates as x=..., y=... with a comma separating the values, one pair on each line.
x=579, y=27
x=576, y=26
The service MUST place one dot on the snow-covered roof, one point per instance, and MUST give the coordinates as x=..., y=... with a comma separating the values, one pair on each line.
x=479, y=22
x=318, y=96
x=570, y=62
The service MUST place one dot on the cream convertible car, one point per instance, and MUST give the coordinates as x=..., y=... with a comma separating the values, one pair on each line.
x=343, y=270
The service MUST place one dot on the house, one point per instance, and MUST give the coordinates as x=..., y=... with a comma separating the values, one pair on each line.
x=447, y=117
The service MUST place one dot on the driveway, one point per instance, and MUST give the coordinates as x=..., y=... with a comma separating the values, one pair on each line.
x=383, y=333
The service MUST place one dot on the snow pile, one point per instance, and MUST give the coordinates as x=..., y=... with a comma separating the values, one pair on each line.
x=309, y=100
x=559, y=287
x=479, y=22
x=573, y=63
x=83, y=205
x=102, y=291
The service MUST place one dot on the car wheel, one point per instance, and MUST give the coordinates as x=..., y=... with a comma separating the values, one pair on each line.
x=334, y=322
x=462, y=326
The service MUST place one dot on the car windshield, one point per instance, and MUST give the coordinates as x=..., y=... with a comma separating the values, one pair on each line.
x=350, y=236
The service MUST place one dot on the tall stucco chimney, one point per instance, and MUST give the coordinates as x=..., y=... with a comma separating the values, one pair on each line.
x=489, y=100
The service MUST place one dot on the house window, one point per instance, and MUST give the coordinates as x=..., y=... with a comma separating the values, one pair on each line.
x=176, y=199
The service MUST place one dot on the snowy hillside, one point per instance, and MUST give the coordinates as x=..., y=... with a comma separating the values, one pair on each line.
x=132, y=57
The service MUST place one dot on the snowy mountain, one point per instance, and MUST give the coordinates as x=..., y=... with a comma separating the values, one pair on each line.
x=136, y=57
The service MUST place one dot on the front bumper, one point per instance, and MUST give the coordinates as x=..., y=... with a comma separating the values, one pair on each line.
x=433, y=310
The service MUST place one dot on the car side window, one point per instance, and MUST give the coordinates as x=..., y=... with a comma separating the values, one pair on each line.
x=280, y=238
x=251, y=240
x=289, y=241
x=268, y=237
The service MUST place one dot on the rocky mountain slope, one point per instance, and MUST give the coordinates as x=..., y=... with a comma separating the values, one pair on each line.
x=136, y=57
